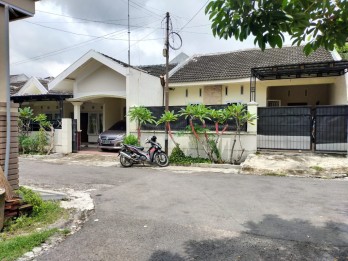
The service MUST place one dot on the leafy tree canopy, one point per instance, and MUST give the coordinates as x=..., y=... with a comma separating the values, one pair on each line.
x=319, y=23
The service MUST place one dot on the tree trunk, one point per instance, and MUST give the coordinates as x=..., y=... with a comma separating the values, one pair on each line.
x=51, y=141
x=4, y=184
x=171, y=135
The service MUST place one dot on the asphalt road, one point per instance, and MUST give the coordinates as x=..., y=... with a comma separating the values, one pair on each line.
x=156, y=214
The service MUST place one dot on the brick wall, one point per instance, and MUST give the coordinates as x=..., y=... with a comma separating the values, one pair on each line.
x=13, y=176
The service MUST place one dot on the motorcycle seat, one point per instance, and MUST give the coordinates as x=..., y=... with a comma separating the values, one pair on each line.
x=139, y=148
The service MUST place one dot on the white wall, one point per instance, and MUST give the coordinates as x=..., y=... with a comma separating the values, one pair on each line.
x=142, y=90
x=102, y=82
x=189, y=145
x=338, y=92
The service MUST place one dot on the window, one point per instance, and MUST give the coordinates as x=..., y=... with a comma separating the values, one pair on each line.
x=226, y=90
x=242, y=90
x=100, y=127
x=186, y=93
x=92, y=123
x=200, y=92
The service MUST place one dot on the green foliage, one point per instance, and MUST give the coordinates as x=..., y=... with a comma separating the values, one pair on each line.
x=13, y=248
x=44, y=212
x=28, y=144
x=140, y=115
x=131, y=140
x=168, y=116
x=319, y=23
x=178, y=157
x=343, y=51
x=24, y=119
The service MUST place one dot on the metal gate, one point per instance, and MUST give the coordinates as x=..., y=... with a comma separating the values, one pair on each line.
x=284, y=128
x=331, y=130
x=323, y=128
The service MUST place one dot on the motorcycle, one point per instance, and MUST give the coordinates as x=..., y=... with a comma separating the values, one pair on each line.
x=130, y=154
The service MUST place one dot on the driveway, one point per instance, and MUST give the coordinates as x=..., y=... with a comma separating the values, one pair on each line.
x=159, y=214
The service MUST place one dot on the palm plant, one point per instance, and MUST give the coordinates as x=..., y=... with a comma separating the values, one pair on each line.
x=201, y=113
x=241, y=117
x=167, y=118
x=140, y=115
x=219, y=117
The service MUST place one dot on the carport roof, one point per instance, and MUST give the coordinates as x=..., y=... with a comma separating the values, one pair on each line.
x=304, y=70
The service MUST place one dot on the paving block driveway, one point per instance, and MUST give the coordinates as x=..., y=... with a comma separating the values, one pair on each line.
x=153, y=214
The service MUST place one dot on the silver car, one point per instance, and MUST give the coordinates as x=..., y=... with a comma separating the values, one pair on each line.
x=112, y=139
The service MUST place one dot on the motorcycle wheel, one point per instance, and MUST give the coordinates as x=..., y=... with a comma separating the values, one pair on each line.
x=161, y=159
x=125, y=162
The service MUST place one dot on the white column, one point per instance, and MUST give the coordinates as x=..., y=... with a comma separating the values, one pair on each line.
x=77, y=113
x=66, y=136
x=252, y=109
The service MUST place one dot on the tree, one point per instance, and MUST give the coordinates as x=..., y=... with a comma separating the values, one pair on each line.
x=319, y=23
x=140, y=115
x=201, y=113
x=241, y=117
x=219, y=117
x=44, y=125
x=166, y=118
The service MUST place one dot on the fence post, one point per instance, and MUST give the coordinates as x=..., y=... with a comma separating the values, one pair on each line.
x=252, y=109
x=66, y=136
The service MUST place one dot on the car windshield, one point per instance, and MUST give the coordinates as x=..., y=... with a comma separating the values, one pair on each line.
x=120, y=125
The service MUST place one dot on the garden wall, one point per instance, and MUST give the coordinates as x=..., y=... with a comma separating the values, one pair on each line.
x=189, y=145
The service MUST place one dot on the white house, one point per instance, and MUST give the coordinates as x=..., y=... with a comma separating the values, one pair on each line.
x=103, y=90
x=291, y=78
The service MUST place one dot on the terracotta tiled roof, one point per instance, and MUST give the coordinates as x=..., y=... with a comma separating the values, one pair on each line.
x=236, y=65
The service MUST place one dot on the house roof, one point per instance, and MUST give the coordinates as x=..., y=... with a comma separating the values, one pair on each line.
x=154, y=70
x=42, y=84
x=238, y=64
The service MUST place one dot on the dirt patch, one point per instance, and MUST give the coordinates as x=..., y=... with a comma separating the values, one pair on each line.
x=299, y=164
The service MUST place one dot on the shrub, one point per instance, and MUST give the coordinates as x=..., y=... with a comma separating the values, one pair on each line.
x=131, y=140
x=178, y=157
x=28, y=144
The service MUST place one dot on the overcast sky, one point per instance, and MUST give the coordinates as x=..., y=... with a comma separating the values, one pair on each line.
x=63, y=30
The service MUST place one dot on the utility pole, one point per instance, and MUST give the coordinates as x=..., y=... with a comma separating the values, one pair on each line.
x=166, y=87
x=128, y=36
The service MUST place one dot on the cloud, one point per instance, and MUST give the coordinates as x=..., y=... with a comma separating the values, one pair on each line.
x=40, y=47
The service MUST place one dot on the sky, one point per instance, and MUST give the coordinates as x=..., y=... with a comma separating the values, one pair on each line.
x=64, y=30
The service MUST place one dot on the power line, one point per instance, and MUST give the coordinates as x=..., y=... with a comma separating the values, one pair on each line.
x=68, y=48
x=193, y=17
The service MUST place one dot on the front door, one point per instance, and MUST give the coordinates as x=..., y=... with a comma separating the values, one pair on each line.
x=84, y=127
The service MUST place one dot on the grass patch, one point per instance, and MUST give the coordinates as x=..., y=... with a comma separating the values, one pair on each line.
x=13, y=248
x=44, y=213
x=317, y=168
x=21, y=235
x=275, y=174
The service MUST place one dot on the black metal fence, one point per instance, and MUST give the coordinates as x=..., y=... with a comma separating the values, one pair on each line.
x=330, y=127
x=183, y=124
x=284, y=128
x=322, y=128
x=34, y=126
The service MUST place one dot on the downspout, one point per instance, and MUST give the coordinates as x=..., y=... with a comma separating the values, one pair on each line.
x=8, y=96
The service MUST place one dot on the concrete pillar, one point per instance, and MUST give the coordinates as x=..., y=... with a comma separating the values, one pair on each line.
x=252, y=109
x=66, y=136
x=4, y=53
x=77, y=113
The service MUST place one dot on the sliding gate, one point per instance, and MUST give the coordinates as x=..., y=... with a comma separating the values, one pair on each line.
x=284, y=128
x=323, y=128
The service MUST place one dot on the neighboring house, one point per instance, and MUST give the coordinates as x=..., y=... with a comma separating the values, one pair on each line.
x=288, y=78
x=34, y=93
x=104, y=89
